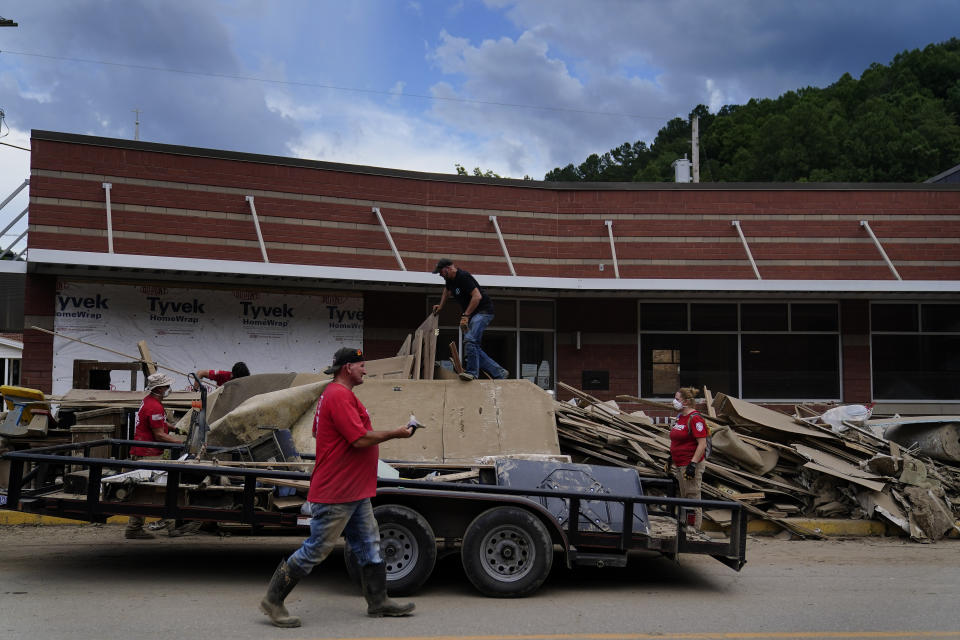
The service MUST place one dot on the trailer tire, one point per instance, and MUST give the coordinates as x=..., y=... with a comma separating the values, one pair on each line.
x=407, y=545
x=507, y=552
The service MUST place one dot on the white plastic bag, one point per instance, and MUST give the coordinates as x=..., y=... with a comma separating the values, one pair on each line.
x=849, y=412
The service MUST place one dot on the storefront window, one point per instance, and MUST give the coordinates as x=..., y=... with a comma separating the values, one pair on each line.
x=915, y=351
x=756, y=350
x=523, y=345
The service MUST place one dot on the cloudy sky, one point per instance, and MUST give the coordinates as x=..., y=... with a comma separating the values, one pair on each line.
x=516, y=86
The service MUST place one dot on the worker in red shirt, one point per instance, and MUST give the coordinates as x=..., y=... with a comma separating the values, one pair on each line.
x=151, y=426
x=688, y=448
x=239, y=370
x=343, y=481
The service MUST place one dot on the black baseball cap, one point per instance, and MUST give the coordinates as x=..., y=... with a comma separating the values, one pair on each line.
x=344, y=355
x=444, y=262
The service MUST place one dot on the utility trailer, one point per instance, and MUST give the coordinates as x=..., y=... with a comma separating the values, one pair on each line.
x=507, y=523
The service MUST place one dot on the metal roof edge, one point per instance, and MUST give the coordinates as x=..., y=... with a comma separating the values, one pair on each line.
x=385, y=276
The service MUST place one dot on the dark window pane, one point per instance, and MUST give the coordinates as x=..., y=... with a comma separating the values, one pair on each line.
x=670, y=361
x=940, y=317
x=893, y=317
x=449, y=315
x=790, y=367
x=504, y=313
x=536, y=315
x=916, y=367
x=502, y=347
x=813, y=317
x=663, y=317
x=713, y=317
x=536, y=358
x=763, y=317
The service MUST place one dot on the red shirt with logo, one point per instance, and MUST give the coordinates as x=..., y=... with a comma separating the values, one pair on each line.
x=150, y=416
x=220, y=377
x=682, y=444
x=342, y=473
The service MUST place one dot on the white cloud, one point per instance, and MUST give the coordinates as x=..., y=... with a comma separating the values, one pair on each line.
x=14, y=169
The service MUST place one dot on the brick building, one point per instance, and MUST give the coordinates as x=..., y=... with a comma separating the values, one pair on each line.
x=772, y=292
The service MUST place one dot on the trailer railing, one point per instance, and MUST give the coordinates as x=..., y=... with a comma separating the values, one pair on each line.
x=92, y=507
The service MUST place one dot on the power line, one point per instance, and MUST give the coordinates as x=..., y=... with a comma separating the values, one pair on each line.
x=318, y=85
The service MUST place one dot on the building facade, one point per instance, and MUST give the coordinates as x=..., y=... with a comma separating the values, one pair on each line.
x=771, y=292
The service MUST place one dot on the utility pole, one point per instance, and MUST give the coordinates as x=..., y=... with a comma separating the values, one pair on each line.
x=136, y=125
x=695, y=148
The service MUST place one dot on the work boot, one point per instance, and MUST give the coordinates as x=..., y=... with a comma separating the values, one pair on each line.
x=466, y=376
x=137, y=534
x=373, y=577
x=281, y=584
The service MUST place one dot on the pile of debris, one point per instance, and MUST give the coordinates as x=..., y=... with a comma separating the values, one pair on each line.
x=781, y=466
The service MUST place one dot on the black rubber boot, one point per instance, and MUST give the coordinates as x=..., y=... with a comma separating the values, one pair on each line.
x=281, y=584
x=374, y=580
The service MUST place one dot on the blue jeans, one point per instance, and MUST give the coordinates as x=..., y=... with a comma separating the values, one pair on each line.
x=354, y=520
x=474, y=358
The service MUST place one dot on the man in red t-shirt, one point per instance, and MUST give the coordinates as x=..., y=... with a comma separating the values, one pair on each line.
x=343, y=481
x=239, y=370
x=151, y=426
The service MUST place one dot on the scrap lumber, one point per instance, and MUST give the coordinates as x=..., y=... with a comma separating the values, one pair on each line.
x=149, y=366
x=809, y=470
x=455, y=358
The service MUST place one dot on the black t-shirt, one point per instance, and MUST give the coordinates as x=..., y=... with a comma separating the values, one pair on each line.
x=462, y=286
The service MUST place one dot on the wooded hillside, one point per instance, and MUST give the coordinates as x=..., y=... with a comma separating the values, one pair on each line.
x=896, y=123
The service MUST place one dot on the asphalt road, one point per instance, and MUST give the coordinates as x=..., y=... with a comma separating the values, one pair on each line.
x=79, y=582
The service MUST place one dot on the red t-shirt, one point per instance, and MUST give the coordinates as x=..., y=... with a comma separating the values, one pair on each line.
x=682, y=444
x=342, y=473
x=150, y=416
x=220, y=377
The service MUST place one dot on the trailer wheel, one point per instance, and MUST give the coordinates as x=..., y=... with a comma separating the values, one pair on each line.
x=407, y=545
x=507, y=552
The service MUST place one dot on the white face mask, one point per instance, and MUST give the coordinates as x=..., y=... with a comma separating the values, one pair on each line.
x=677, y=404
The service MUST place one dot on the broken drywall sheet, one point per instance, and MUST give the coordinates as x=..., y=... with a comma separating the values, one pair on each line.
x=390, y=404
x=834, y=462
x=869, y=484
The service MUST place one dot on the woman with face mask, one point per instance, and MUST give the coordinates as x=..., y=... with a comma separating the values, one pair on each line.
x=151, y=426
x=688, y=446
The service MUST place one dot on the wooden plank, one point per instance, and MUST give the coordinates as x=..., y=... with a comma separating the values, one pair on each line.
x=708, y=396
x=405, y=348
x=417, y=348
x=454, y=477
x=455, y=358
x=148, y=364
x=429, y=354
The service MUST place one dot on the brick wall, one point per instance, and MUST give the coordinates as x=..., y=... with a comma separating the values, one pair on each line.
x=36, y=367
x=181, y=202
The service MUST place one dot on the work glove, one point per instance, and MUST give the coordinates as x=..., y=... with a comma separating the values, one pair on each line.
x=464, y=323
x=690, y=471
x=436, y=309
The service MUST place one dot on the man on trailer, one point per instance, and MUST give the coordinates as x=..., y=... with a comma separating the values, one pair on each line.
x=343, y=481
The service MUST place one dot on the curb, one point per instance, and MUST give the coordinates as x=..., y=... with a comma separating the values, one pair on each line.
x=17, y=518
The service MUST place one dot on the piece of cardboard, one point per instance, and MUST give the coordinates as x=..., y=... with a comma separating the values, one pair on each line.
x=737, y=408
